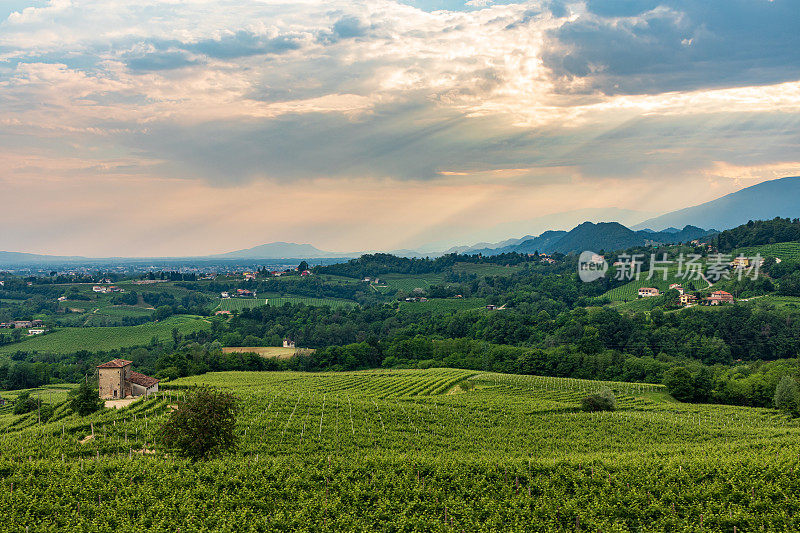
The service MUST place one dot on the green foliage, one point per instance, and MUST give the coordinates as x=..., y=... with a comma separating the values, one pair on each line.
x=203, y=424
x=25, y=403
x=85, y=399
x=71, y=340
x=392, y=450
x=604, y=400
x=787, y=395
x=678, y=381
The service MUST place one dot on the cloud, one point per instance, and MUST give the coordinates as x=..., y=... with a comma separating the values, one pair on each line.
x=644, y=46
x=523, y=105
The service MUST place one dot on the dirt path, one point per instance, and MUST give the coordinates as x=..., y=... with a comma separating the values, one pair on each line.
x=119, y=404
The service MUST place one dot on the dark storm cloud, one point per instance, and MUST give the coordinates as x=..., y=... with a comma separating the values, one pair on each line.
x=643, y=46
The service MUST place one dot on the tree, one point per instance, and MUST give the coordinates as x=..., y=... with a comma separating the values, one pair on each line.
x=203, y=425
x=25, y=403
x=787, y=395
x=678, y=381
x=600, y=401
x=85, y=399
x=302, y=266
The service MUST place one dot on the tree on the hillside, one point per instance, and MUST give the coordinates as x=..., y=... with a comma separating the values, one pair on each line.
x=678, y=381
x=787, y=395
x=203, y=425
x=604, y=400
x=302, y=266
x=25, y=403
x=85, y=399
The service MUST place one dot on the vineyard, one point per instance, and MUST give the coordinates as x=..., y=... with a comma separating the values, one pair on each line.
x=410, y=450
x=630, y=291
x=70, y=340
x=786, y=251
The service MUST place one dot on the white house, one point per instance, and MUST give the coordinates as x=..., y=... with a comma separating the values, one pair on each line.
x=646, y=292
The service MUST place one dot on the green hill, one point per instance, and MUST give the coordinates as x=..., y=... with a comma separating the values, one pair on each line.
x=70, y=340
x=410, y=450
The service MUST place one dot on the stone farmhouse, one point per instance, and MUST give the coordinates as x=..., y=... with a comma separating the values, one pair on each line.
x=118, y=381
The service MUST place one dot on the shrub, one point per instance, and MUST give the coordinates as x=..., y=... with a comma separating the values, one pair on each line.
x=603, y=400
x=203, y=425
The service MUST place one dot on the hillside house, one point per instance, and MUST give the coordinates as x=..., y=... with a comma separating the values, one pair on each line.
x=225, y=294
x=98, y=288
x=740, y=262
x=288, y=343
x=25, y=323
x=688, y=299
x=491, y=307
x=647, y=292
x=37, y=331
x=677, y=287
x=118, y=381
x=720, y=297
x=305, y=273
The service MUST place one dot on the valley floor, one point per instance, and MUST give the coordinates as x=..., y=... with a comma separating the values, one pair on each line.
x=410, y=450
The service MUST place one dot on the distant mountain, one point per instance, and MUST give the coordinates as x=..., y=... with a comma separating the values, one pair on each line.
x=601, y=236
x=765, y=201
x=526, y=245
x=279, y=250
x=15, y=258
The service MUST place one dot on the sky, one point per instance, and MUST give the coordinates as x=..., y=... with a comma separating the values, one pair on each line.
x=188, y=127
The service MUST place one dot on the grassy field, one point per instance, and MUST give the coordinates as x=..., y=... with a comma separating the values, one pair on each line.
x=408, y=283
x=234, y=304
x=486, y=269
x=278, y=352
x=415, y=450
x=441, y=305
x=69, y=340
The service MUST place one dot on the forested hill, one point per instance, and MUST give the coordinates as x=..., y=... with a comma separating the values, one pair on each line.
x=607, y=236
x=379, y=264
x=759, y=232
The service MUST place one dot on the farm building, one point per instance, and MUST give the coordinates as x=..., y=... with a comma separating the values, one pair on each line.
x=740, y=262
x=688, y=299
x=37, y=331
x=720, y=297
x=646, y=292
x=117, y=380
x=288, y=343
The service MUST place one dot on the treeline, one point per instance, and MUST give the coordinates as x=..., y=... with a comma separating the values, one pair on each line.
x=753, y=384
x=739, y=332
x=372, y=265
x=758, y=232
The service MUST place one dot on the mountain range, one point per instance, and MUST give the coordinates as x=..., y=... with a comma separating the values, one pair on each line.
x=764, y=201
x=767, y=200
x=600, y=236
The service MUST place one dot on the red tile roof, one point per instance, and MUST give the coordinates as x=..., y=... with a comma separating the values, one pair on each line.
x=141, y=379
x=115, y=363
